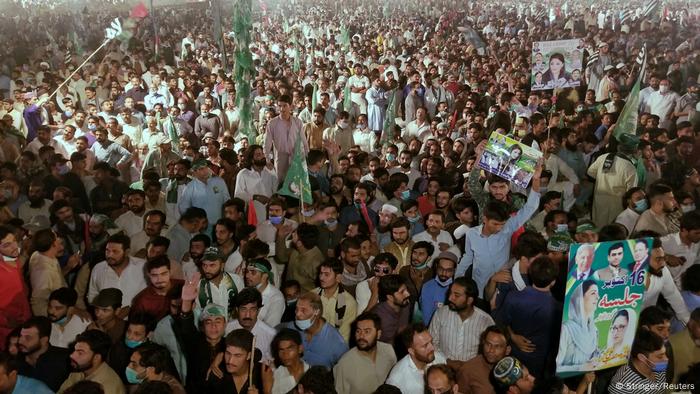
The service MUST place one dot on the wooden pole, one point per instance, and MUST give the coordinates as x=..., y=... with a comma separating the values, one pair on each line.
x=79, y=67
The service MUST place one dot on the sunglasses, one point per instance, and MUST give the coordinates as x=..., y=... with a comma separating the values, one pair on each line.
x=380, y=270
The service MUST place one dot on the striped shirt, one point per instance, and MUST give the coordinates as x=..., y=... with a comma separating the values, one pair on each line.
x=457, y=339
x=628, y=380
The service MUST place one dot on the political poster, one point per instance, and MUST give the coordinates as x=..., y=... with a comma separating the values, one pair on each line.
x=556, y=64
x=509, y=159
x=604, y=296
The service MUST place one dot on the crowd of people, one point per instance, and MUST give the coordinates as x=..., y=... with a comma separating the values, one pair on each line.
x=147, y=248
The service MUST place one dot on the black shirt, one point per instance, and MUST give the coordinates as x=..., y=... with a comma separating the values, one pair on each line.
x=52, y=367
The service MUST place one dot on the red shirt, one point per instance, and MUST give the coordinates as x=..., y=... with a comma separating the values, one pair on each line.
x=14, y=304
x=149, y=302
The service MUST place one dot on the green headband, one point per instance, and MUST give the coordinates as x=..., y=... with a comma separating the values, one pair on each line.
x=259, y=267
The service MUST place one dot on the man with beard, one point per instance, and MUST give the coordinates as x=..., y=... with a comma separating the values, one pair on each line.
x=387, y=215
x=408, y=373
x=338, y=191
x=401, y=242
x=455, y=327
x=434, y=291
x=69, y=224
x=153, y=299
x=175, y=188
x=473, y=375
x=257, y=181
x=259, y=275
x=365, y=367
x=36, y=204
x=354, y=269
x=65, y=325
x=89, y=361
x=107, y=196
x=660, y=281
x=393, y=307
x=131, y=221
x=418, y=272
x=153, y=223
x=119, y=271
x=216, y=286
x=193, y=258
x=434, y=233
x=313, y=131
x=38, y=359
x=658, y=217
x=60, y=175
x=107, y=304
x=405, y=161
x=356, y=213
x=248, y=304
x=206, y=191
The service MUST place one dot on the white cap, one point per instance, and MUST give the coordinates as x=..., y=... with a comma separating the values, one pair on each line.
x=388, y=208
x=608, y=67
x=620, y=66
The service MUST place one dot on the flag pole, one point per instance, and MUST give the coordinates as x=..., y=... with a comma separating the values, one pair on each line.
x=79, y=67
x=301, y=202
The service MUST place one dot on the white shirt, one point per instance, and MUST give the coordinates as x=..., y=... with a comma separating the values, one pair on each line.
x=365, y=139
x=219, y=294
x=413, y=129
x=408, y=378
x=358, y=82
x=662, y=104
x=250, y=182
x=273, y=306
x=284, y=382
x=131, y=281
x=63, y=336
x=443, y=237
x=130, y=223
x=664, y=285
x=457, y=339
x=267, y=232
x=672, y=245
x=628, y=218
x=263, y=336
x=362, y=295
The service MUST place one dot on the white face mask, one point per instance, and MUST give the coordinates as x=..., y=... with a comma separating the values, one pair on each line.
x=343, y=124
x=663, y=88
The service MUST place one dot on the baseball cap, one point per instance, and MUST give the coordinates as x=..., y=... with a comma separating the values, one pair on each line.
x=559, y=243
x=448, y=256
x=199, y=163
x=585, y=225
x=211, y=311
x=213, y=254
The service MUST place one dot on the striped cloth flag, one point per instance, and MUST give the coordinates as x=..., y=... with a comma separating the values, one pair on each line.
x=627, y=16
x=627, y=122
x=652, y=10
x=592, y=58
x=68, y=58
x=541, y=14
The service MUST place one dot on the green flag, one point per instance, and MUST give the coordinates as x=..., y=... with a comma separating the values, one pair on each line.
x=627, y=122
x=347, y=100
x=389, y=120
x=297, y=184
x=314, y=97
x=297, y=62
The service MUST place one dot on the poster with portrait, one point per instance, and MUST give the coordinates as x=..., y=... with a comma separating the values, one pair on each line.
x=604, y=295
x=556, y=64
x=509, y=159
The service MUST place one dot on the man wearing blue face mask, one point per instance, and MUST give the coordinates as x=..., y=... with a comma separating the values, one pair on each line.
x=434, y=292
x=137, y=333
x=65, y=325
x=323, y=344
x=647, y=366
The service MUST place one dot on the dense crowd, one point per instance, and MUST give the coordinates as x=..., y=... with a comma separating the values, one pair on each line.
x=147, y=246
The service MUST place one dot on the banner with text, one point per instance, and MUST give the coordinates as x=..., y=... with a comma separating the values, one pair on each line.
x=604, y=295
x=556, y=64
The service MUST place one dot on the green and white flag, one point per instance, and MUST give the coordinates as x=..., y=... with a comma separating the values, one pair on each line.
x=347, y=99
x=389, y=120
x=627, y=122
x=297, y=184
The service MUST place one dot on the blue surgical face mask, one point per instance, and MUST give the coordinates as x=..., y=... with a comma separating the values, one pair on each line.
x=132, y=376
x=405, y=195
x=68, y=113
x=330, y=222
x=92, y=127
x=63, y=170
x=414, y=219
x=304, y=324
x=445, y=283
x=276, y=219
x=660, y=366
x=131, y=344
x=641, y=205
x=562, y=228
x=309, y=213
x=291, y=301
x=390, y=157
x=62, y=320
x=421, y=266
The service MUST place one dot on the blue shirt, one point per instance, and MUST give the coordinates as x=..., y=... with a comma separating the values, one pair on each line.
x=326, y=346
x=432, y=296
x=536, y=315
x=111, y=153
x=209, y=196
x=488, y=254
x=26, y=385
